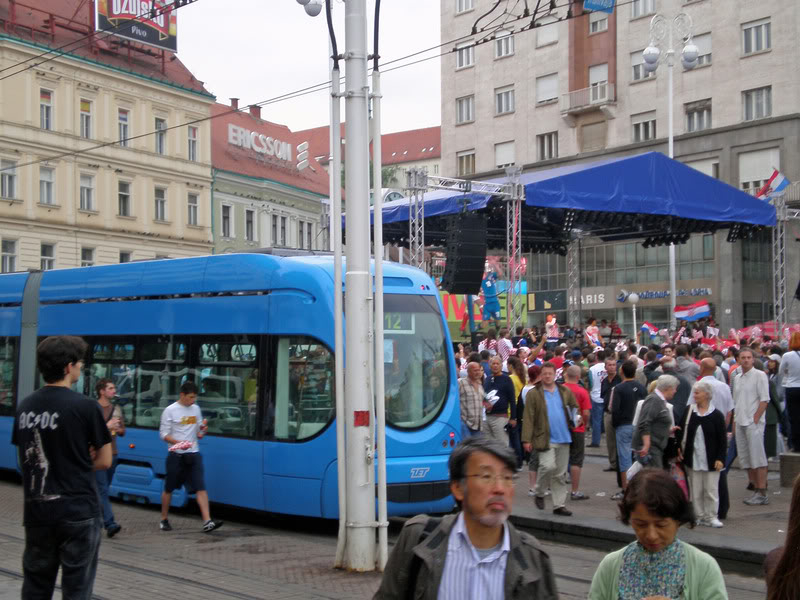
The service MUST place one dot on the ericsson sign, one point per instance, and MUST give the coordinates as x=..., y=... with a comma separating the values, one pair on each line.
x=252, y=140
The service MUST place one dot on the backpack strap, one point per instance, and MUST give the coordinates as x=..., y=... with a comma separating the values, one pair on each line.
x=416, y=561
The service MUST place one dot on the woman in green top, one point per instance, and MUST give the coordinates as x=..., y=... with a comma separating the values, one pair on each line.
x=657, y=566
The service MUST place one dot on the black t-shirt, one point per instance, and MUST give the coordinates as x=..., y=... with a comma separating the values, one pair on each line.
x=626, y=396
x=53, y=429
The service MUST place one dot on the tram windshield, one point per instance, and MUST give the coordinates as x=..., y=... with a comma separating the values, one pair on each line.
x=415, y=363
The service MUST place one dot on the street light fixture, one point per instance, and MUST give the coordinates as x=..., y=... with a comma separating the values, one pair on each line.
x=660, y=29
x=313, y=7
x=634, y=300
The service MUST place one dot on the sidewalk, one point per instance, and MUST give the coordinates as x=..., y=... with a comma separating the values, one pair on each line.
x=749, y=532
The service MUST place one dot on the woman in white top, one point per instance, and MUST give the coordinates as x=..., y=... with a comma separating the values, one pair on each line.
x=790, y=371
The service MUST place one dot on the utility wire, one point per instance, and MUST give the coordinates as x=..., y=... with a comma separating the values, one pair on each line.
x=62, y=50
x=325, y=85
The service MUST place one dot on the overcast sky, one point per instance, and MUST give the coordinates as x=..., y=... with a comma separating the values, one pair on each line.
x=259, y=49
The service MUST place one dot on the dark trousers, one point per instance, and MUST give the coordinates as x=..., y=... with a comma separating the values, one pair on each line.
x=724, y=496
x=793, y=408
x=72, y=545
x=104, y=479
x=514, y=434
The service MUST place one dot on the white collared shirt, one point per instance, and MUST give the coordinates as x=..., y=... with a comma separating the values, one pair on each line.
x=466, y=575
x=749, y=389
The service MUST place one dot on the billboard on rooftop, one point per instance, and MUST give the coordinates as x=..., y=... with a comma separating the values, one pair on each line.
x=152, y=22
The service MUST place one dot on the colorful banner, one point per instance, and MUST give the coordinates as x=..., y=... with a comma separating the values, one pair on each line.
x=455, y=312
x=131, y=19
x=602, y=5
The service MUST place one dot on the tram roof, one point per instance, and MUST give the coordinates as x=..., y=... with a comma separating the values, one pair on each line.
x=647, y=196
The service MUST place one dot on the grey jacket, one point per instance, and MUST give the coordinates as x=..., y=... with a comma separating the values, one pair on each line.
x=528, y=570
x=655, y=421
x=687, y=367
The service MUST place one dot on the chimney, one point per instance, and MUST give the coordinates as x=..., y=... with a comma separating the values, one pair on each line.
x=255, y=110
x=235, y=103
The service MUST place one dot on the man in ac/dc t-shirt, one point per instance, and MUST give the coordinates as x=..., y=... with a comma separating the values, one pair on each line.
x=62, y=439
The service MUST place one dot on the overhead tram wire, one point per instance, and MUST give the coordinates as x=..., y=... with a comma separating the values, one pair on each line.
x=86, y=39
x=289, y=95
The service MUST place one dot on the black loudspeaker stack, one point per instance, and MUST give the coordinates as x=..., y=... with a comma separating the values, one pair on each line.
x=466, y=254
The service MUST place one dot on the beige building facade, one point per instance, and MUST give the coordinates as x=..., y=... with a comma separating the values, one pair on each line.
x=99, y=162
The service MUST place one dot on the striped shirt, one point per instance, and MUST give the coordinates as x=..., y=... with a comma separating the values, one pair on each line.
x=468, y=576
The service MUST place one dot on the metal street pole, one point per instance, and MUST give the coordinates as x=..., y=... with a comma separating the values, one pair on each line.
x=360, y=549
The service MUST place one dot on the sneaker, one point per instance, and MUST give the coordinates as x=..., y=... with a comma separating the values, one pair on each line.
x=579, y=496
x=531, y=492
x=701, y=523
x=618, y=496
x=716, y=523
x=547, y=492
x=113, y=530
x=165, y=526
x=211, y=525
x=539, y=501
x=562, y=512
x=757, y=500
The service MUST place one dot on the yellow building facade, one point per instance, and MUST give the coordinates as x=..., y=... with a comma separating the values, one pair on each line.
x=84, y=179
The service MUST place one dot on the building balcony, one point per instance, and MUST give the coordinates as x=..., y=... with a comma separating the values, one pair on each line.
x=601, y=96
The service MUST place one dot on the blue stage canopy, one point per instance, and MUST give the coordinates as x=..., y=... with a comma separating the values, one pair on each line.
x=647, y=196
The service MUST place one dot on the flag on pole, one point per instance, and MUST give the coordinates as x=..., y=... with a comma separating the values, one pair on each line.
x=774, y=185
x=693, y=312
x=650, y=329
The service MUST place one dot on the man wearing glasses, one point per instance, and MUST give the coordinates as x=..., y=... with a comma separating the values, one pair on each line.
x=475, y=553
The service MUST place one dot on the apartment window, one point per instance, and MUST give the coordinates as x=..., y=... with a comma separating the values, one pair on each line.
x=703, y=43
x=86, y=118
x=598, y=21
x=698, y=115
x=637, y=66
x=192, y=141
x=593, y=136
x=546, y=88
x=547, y=146
x=465, y=109
x=300, y=234
x=274, y=230
x=464, y=5
x=465, y=55
x=283, y=231
x=160, y=213
x=123, y=122
x=598, y=82
x=757, y=103
x=8, y=179
x=639, y=8
x=504, y=154
x=504, y=44
x=124, y=257
x=161, y=136
x=466, y=162
x=45, y=109
x=227, y=228
x=46, y=179
x=756, y=36
x=644, y=126
x=249, y=225
x=309, y=229
x=191, y=202
x=124, y=199
x=504, y=100
x=47, y=257
x=87, y=257
x=87, y=192
x=8, y=263
x=547, y=32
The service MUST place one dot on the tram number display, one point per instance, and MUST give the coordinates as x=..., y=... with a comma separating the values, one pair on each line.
x=398, y=322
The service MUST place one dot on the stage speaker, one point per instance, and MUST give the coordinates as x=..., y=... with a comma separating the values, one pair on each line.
x=797, y=291
x=466, y=254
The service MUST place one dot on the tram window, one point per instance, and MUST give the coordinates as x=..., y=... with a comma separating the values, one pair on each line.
x=163, y=349
x=227, y=376
x=112, y=359
x=157, y=386
x=304, y=396
x=8, y=356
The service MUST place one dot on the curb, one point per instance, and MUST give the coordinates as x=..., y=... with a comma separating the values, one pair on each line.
x=740, y=554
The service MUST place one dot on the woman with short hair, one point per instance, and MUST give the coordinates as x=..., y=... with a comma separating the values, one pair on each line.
x=657, y=564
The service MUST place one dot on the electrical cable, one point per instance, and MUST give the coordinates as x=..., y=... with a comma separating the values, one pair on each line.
x=280, y=98
x=87, y=39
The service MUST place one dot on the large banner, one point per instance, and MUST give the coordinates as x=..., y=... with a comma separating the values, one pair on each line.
x=455, y=311
x=131, y=19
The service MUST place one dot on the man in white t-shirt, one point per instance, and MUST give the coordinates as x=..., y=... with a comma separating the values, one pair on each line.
x=182, y=426
x=597, y=373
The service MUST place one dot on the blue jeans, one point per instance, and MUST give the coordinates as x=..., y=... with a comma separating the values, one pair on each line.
x=597, y=422
x=624, y=438
x=104, y=479
x=72, y=545
x=467, y=432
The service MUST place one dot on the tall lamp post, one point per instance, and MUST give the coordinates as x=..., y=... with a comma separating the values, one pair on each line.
x=662, y=28
x=634, y=300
